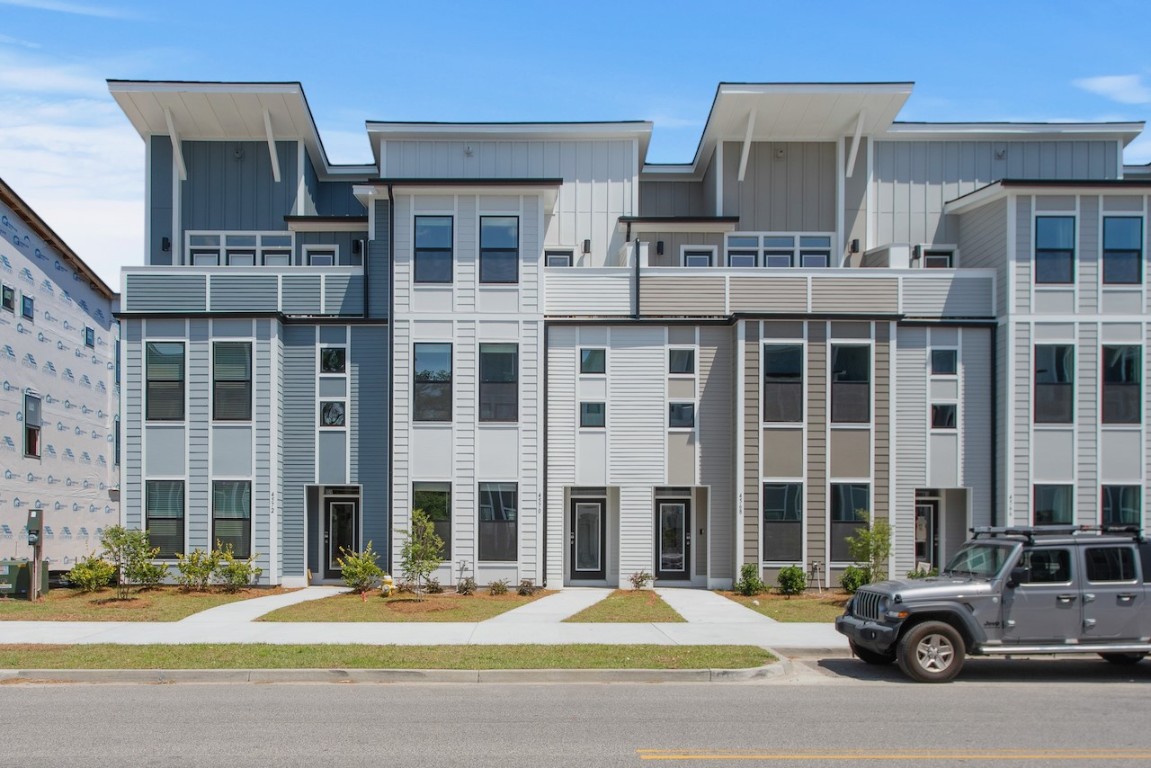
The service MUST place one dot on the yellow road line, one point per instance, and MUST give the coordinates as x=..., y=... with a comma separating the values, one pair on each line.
x=1097, y=754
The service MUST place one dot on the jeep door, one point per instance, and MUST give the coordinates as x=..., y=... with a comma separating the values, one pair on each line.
x=1046, y=607
x=1114, y=605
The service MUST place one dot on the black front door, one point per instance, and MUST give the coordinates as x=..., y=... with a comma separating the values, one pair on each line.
x=341, y=532
x=588, y=539
x=673, y=539
x=927, y=533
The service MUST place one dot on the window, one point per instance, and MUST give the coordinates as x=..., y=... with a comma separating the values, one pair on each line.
x=815, y=252
x=89, y=337
x=592, y=414
x=499, y=382
x=938, y=259
x=165, y=381
x=232, y=381
x=1054, y=383
x=782, y=383
x=742, y=251
x=1110, y=564
x=241, y=249
x=944, y=362
x=498, y=513
x=850, y=384
x=1055, y=249
x=558, y=258
x=1122, y=250
x=593, y=361
x=779, y=251
x=116, y=441
x=1047, y=566
x=164, y=504
x=432, y=255
x=681, y=415
x=435, y=499
x=1122, y=505
x=681, y=361
x=333, y=413
x=27, y=307
x=698, y=258
x=1053, y=505
x=205, y=258
x=117, y=360
x=943, y=416
x=32, y=422
x=8, y=298
x=1122, y=384
x=850, y=509
x=333, y=359
x=783, y=522
x=432, y=398
x=499, y=249
x=232, y=515
x=277, y=258
x=241, y=258
x=320, y=257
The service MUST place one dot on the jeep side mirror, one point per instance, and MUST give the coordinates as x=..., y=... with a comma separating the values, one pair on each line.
x=1020, y=574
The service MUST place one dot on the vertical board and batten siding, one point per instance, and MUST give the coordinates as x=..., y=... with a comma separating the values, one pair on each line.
x=1020, y=506
x=561, y=442
x=160, y=170
x=855, y=204
x=815, y=488
x=716, y=418
x=198, y=495
x=222, y=192
x=262, y=416
x=911, y=429
x=1087, y=256
x=983, y=243
x=975, y=414
x=132, y=423
x=343, y=241
x=369, y=380
x=327, y=198
x=599, y=179
x=881, y=458
x=299, y=439
x=1022, y=265
x=710, y=188
x=1089, y=368
x=377, y=263
x=752, y=437
x=672, y=198
x=792, y=192
x=913, y=179
x=636, y=451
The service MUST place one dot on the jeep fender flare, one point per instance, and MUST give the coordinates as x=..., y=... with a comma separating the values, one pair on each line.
x=962, y=620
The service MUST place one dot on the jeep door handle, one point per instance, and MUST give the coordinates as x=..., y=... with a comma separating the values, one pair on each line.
x=1066, y=598
x=1125, y=597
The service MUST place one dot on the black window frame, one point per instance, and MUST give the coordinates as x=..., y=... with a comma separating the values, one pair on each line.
x=782, y=389
x=428, y=385
x=324, y=252
x=1110, y=564
x=491, y=256
x=232, y=388
x=1054, y=400
x=173, y=386
x=168, y=551
x=943, y=355
x=844, y=521
x=672, y=354
x=242, y=542
x=8, y=298
x=930, y=254
x=33, y=418
x=89, y=337
x=439, y=513
x=690, y=253
x=783, y=524
x=1134, y=255
x=1115, y=498
x=333, y=360
x=1052, y=492
x=492, y=407
x=433, y=255
x=945, y=416
x=584, y=368
x=676, y=412
x=844, y=391
x=28, y=307
x=1047, y=257
x=1121, y=388
x=498, y=524
x=567, y=255
x=588, y=417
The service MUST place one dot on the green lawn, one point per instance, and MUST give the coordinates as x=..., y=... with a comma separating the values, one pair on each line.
x=382, y=657
x=432, y=608
x=800, y=608
x=161, y=604
x=628, y=606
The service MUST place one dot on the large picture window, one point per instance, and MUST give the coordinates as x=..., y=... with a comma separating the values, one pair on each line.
x=1055, y=250
x=499, y=249
x=499, y=382
x=232, y=516
x=164, y=363
x=1054, y=505
x=850, y=384
x=850, y=510
x=432, y=254
x=783, y=522
x=164, y=506
x=1122, y=384
x=1122, y=505
x=498, y=539
x=232, y=381
x=435, y=499
x=432, y=398
x=1054, y=383
x=1122, y=250
x=783, y=383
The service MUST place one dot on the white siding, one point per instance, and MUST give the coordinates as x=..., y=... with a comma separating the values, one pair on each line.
x=1087, y=365
x=910, y=437
x=975, y=415
x=561, y=441
x=1020, y=506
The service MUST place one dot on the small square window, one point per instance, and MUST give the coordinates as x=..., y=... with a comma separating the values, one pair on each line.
x=592, y=414
x=332, y=413
x=944, y=362
x=681, y=415
x=810, y=260
x=333, y=360
x=697, y=258
x=205, y=258
x=557, y=258
x=90, y=337
x=27, y=307
x=943, y=416
x=9, y=298
x=593, y=361
x=938, y=259
x=277, y=258
x=681, y=361
x=321, y=258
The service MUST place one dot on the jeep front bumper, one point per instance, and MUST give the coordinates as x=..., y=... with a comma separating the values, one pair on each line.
x=872, y=635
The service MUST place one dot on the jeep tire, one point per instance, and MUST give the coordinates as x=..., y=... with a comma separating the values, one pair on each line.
x=872, y=657
x=931, y=652
x=1123, y=659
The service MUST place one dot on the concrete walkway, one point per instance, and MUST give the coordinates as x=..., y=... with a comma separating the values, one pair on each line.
x=553, y=608
x=250, y=610
x=702, y=606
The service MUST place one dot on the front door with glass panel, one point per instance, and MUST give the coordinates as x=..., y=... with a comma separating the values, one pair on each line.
x=673, y=540
x=341, y=531
x=927, y=533
x=588, y=539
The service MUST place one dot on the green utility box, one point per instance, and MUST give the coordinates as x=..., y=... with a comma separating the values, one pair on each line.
x=16, y=578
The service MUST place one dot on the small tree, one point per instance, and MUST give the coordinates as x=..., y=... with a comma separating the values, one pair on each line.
x=360, y=571
x=131, y=556
x=871, y=546
x=791, y=580
x=423, y=550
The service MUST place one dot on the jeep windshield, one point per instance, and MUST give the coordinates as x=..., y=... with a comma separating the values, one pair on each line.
x=982, y=560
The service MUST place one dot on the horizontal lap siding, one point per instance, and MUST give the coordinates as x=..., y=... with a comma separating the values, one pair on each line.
x=752, y=436
x=165, y=293
x=1089, y=367
x=682, y=296
x=768, y=294
x=561, y=441
x=570, y=292
x=299, y=436
x=244, y=293
x=1021, y=402
x=983, y=234
x=132, y=423
x=879, y=295
x=1087, y=258
x=975, y=412
x=881, y=458
x=910, y=453
x=815, y=490
x=716, y=416
x=343, y=295
x=262, y=519
x=301, y=295
x=369, y=382
x=198, y=499
x=957, y=297
x=1022, y=266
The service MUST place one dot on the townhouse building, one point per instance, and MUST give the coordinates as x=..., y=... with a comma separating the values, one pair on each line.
x=583, y=365
x=59, y=391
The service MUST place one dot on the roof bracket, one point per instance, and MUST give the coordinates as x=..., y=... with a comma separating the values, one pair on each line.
x=855, y=143
x=272, y=145
x=177, y=145
x=746, y=144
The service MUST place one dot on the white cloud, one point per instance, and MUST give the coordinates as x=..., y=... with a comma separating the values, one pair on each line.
x=77, y=9
x=9, y=40
x=1125, y=89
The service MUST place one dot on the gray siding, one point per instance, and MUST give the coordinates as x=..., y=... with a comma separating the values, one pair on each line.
x=1088, y=257
x=1021, y=402
x=223, y=192
x=262, y=382
x=672, y=198
x=1022, y=263
x=752, y=435
x=562, y=342
x=160, y=200
x=792, y=192
x=710, y=187
x=198, y=497
x=343, y=295
x=376, y=271
x=983, y=243
x=342, y=241
x=673, y=243
x=881, y=458
x=1087, y=394
x=300, y=295
x=132, y=423
x=716, y=415
x=911, y=371
x=299, y=439
x=165, y=293
x=244, y=293
x=975, y=406
x=815, y=490
x=855, y=203
x=370, y=381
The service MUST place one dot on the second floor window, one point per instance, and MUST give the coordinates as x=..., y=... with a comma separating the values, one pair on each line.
x=232, y=381
x=28, y=307
x=8, y=298
x=499, y=249
x=432, y=252
x=32, y=422
x=1055, y=250
x=1122, y=250
x=1054, y=383
x=782, y=383
x=165, y=381
x=499, y=382
x=432, y=398
x=164, y=516
x=850, y=384
x=1122, y=379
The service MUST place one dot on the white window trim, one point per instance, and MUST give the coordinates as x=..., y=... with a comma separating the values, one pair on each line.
x=711, y=249
x=802, y=344
x=569, y=251
x=307, y=251
x=922, y=248
x=761, y=251
x=694, y=362
x=221, y=247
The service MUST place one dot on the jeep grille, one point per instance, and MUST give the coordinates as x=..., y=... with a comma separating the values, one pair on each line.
x=866, y=605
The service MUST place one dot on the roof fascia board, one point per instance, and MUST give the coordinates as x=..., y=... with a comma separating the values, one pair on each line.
x=920, y=131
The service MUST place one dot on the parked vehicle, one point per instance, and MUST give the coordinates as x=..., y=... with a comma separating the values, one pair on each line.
x=1018, y=591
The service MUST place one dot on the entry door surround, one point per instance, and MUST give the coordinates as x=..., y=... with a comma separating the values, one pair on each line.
x=673, y=539
x=341, y=530
x=588, y=540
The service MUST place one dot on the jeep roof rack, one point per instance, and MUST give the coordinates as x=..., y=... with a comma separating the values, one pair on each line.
x=1031, y=531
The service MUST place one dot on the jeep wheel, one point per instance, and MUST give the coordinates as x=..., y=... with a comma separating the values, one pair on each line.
x=931, y=652
x=872, y=657
x=1123, y=659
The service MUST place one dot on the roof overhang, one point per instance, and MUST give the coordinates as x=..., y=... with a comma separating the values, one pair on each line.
x=1001, y=189
x=379, y=189
x=1124, y=132
x=229, y=112
x=678, y=224
x=327, y=223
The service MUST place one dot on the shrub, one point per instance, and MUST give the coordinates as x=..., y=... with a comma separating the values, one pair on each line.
x=639, y=579
x=749, y=581
x=150, y=575
x=130, y=554
x=466, y=586
x=359, y=570
x=854, y=577
x=196, y=569
x=871, y=546
x=918, y=574
x=433, y=586
x=91, y=574
x=791, y=580
x=423, y=550
x=405, y=587
x=232, y=573
x=498, y=587
x=527, y=588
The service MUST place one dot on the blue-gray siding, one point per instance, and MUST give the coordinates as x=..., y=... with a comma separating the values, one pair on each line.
x=197, y=497
x=370, y=384
x=299, y=294
x=342, y=240
x=328, y=198
x=263, y=362
x=164, y=293
x=132, y=424
x=160, y=199
x=379, y=279
x=230, y=186
x=244, y=293
x=299, y=430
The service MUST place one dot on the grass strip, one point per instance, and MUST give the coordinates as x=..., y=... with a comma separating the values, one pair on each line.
x=403, y=608
x=625, y=606
x=244, y=656
x=160, y=604
x=800, y=608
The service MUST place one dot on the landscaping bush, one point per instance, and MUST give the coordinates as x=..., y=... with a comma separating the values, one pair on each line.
x=853, y=578
x=433, y=586
x=749, y=582
x=466, y=586
x=150, y=575
x=359, y=570
x=232, y=573
x=918, y=574
x=130, y=554
x=639, y=579
x=791, y=580
x=91, y=574
x=527, y=588
x=195, y=569
x=423, y=550
x=871, y=546
x=498, y=587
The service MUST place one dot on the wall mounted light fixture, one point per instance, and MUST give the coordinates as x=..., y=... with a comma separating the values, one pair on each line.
x=587, y=246
x=165, y=244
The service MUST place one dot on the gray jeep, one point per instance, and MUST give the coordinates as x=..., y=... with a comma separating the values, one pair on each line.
x=1018, y=591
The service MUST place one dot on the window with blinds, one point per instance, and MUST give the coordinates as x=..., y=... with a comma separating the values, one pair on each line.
x=232, y=516
x=164, y=364
x=232, y=381
x=164, y=503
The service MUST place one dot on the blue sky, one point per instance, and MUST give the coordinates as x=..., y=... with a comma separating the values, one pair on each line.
x=66, y=148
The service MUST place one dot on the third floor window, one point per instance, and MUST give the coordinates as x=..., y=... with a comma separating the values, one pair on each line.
x=1054, y=383
x=1055, y=250
x=1122, y=250
x=499, y=249
x=432, y=252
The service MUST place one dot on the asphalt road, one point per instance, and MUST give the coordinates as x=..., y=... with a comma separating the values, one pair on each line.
x=829, y=713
